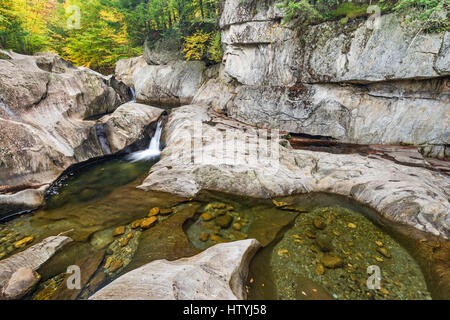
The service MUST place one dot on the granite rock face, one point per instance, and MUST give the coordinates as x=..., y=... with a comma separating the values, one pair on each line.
x=218, y=273
x=367, y=81
x=48, y=112
x=173, y=84
x=125, y=69
x=405, y=193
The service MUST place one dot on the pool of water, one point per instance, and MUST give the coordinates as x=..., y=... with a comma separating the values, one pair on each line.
x=117, y=228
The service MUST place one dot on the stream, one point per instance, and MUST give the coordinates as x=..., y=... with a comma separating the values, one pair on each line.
x=315, y=246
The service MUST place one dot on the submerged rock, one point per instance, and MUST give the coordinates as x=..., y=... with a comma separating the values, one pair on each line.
x=32, y=258
x=21, y=282
x=217, y=273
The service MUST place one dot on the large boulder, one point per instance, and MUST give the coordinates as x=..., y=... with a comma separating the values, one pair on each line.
x=127, y=122
x=125, y=69
x=402, y=189
x=218, y=273
x=31, y=259
x=172, y=85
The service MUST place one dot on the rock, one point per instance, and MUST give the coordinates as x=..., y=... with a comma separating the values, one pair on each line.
x=125, y=69
x=284, y=77
x=163, y=51
x=384, y=252
x=115, y=265
x=204, y=237
x=32, y=258
x=310, y=235
x=148, y=223
x=88, y=266
x=237, y=226
x=224, y=221
x=23, y=200
x=119, y=231
x=23, y=242
x=320, y=269
x=218, y=273
x=331, y=261
x=21, y=282
x=153, y=212
x=126, y=125
x=324, y=244
x=136, y=224
x=216, y=238
x=171, y=85
x=319, y=224
x=165, y=212
x=206, y=216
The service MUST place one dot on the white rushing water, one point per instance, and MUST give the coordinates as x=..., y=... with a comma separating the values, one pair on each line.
x=153, y=151
x=133, y=95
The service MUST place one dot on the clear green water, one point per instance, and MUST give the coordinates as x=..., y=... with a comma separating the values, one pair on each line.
x=91, y=205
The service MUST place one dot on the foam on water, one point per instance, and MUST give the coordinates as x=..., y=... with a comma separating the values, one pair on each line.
x=153, y=151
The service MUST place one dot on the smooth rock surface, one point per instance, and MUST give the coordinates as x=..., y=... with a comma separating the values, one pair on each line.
x=173, y=85
x=218, y=273
x=358, y=82
x=125, y=69
x=20, y=283
x=31, y=258
x=22, y=200
x=127, y=122
x=407, y=194
x=42, y=116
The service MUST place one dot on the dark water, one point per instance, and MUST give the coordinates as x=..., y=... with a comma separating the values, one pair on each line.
x=89, y=207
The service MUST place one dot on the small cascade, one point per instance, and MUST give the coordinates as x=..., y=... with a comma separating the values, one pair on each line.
x=153, y=151
x=133, y=95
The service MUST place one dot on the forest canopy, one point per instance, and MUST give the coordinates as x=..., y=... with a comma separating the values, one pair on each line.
x=97, y=33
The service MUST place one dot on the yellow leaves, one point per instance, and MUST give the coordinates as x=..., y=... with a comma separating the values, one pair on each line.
x=196, y=45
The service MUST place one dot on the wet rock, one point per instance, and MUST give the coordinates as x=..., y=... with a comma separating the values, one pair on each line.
x=384, y=252
x=324, y=244
x=237, y=226
x=320, y=269
x=21, y=282
x=217, y=273
x=88, y=266
x=33, y=257
x=119, y=231
x=148, y=223
x=153, y=212
x=310, y=235
x=165, y=212
x=136, y=224
x=23, y=242
x=206, y=216
x=331, y=261
x=97, y=281
x=216, y=238
x=224, y=221
x=115, y=265
x=204, y=237
x=319, y=224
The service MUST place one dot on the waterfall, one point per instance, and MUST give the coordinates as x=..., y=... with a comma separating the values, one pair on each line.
x=153, y=151
x=133, y=95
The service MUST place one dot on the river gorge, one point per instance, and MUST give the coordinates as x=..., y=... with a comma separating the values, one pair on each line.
x=303, y=163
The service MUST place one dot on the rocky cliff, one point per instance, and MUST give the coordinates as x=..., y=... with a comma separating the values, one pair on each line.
x=51, y=117
x=383, y=83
